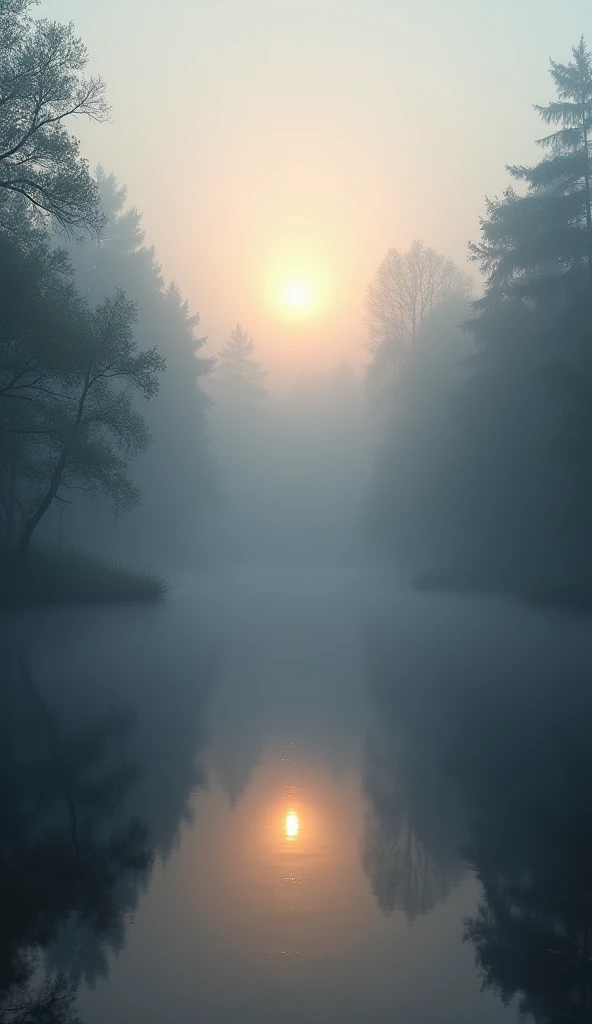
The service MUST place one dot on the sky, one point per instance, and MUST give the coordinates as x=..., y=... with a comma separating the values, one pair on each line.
x=269, y=142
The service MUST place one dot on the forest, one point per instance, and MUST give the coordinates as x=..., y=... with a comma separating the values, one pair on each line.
x=459, y=458
x=295, y=512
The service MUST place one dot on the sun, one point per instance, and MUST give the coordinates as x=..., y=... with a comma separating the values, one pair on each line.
x=298, y=294
x=296, y=287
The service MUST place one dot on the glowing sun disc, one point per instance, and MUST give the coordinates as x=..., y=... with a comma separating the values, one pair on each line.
x=298, y=293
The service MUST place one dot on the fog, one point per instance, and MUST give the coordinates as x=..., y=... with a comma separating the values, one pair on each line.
x=435, y=749
x=295, y=512
x=258, y=134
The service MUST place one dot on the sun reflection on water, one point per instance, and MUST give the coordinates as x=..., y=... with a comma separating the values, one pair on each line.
x=292, y=825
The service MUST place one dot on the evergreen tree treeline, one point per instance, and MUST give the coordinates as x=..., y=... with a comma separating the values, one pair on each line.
x=484, y=473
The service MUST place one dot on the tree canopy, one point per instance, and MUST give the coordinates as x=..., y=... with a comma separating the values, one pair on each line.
x=482, y=476
x=177, y=476
x=42, y=86
x=407, y=288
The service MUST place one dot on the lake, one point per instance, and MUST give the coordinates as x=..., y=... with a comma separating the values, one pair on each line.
x=295, y=794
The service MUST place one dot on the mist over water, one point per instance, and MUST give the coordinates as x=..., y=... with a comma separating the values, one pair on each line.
x=295, y=513
x=433, y=749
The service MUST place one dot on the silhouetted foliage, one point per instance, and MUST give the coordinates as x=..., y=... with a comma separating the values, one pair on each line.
x=42, y=86
x=485, y=481
x=89, y=430
x=66, y=375
x=176, y=476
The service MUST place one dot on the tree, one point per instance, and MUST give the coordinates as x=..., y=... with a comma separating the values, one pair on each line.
x=90, y=434
x=42, y=85
x=36, y=298
x=177, y=475
x=529, y=326
x=409, y=504
x=38, y=313
x=541, y=242
x=406, y=290
x=490, y=484
x=237, y=373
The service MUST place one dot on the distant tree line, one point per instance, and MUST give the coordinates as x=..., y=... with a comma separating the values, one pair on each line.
x=483, y=474
x=87, y=325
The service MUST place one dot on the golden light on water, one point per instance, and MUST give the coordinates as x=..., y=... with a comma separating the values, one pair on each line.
x=292, y=825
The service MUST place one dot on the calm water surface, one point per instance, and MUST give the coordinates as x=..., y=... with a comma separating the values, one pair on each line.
x=293, y=796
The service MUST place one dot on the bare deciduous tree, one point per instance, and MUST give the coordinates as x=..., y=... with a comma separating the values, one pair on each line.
x=407, y=288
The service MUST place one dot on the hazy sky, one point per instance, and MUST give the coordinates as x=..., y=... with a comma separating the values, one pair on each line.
x=263, y=138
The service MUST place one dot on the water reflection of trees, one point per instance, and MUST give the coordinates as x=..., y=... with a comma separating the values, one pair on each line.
x=515, y=749
x=74, y=855
x=414, y=821
x=410, y=865
x=531, y=848
x=60, y=855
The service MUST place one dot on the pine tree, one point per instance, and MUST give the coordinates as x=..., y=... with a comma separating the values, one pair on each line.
x=536, y=251
x=238, y=376
x=538, y=244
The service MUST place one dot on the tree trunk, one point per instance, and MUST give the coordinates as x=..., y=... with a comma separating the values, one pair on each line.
x=33, y=522
x=54, y=485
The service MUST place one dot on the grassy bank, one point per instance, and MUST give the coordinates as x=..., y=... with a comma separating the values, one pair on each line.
x=70, y=577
